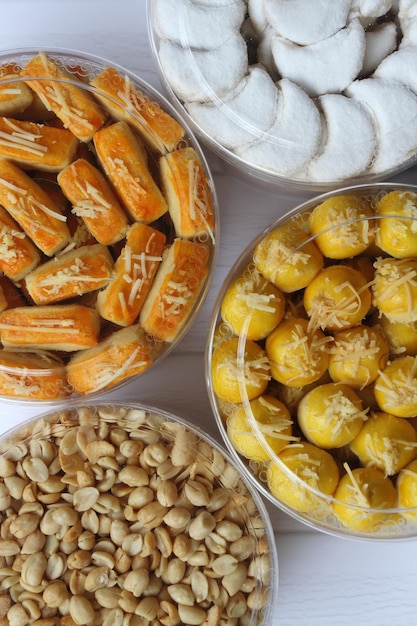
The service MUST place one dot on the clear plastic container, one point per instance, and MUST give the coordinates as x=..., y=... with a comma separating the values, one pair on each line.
x=336, y=111
x=311, y=362
x=157, y=518
x=172, y=232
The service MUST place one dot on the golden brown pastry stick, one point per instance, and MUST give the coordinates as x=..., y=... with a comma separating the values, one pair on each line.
x=186, y=189
x=123, y=354
x=74, y=106
x=94, y=201
x=121, y=301
x=124, y=160
x=32, y=376
x=71, y=274
x=37, y=146
x=66, y=327
x=159, y=130
x=175, y=289
x=15, y=96
x=32, y=208
x=18, y=255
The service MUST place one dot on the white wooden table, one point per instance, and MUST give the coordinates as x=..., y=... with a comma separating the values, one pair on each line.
x=324, y=581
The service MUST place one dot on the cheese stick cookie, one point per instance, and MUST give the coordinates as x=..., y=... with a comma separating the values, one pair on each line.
x=32, y=208
x=94, y=201
x=158, y=129
x=37, y=146
x=73, y=105
x=124, y=160
x=32, y=376
x=187, y=192
x=72, y=274
x=15, y=96
x=65, y=327
x=175, y=289
x=121, y=301
x=123, y=354
x=18, y=255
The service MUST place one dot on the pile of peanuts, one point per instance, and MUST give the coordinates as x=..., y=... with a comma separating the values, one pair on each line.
x=117, y=516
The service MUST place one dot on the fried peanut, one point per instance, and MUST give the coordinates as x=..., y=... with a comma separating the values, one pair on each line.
x=124, y=522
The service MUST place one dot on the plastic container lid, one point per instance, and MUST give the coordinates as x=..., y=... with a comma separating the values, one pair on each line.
x=311, y=362
x=307, y=98
x=116, y=226
x=157, y=516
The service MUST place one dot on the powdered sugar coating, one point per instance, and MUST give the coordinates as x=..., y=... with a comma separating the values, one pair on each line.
x=349, y=130
x=322, y=48
x=327, y=66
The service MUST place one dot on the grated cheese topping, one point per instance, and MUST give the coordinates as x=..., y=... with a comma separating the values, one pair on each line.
x=175, y=298
x=136, y=102
x=22, y=139
x=9, y=91
x=56, y=94
x=258, y=301
x=275, y=423
x=119, y=167
x=303, y=353
x=340, y=411
x=401, y=388
x=254, y=371
x=284, y=255
x=80, y=236
x=384, y=452
x=137, y=269
x=250, y=291
x=109, y=373
x=28, y=207
x=53, y=283
x=392, y=275
x=93, y=205
x=23, y=384
x=43, y=326
x=327, y=311
x=307, y=468
x=344, y=227
x=355, y=351
x=199, y=199
x=359, y=492
x=9, y=244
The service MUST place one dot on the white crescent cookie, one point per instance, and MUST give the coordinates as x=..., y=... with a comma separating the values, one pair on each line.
x=370, y=9
x=197, y=25
x=244, y=115
x=294, y=137
x=380, y=42
x=401, y=65
x=350, y=139
x=407, y=18
x=256, y=12
x=409, y=29
x=407, y=9
x=265, y=52
x=195, y=74
x=328, y=66
x=307, y=21
x=315, y=90
x=394, y=107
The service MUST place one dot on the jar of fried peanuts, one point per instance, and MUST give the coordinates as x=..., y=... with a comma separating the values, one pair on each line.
x=124, y=514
